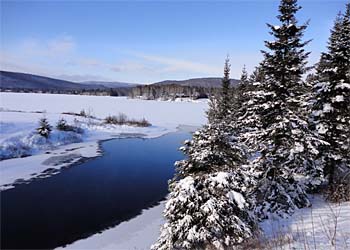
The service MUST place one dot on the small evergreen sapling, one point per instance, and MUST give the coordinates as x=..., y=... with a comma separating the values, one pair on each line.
x=62, y=125
x=44, y=128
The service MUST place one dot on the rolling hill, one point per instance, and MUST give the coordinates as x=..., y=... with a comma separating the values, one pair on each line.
x=16, y=80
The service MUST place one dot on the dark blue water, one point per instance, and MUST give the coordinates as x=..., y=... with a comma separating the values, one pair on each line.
x=84, y=199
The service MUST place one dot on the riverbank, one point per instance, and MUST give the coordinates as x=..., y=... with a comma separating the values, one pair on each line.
x=20, y=113
x=132, y=175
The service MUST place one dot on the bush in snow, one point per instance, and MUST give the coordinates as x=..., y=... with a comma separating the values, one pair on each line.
x=122, y=119
x=205, y=211
x=44, y=128
x=62, y=125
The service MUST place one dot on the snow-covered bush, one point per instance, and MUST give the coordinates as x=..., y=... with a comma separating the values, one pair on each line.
x=205, y=211
x=44, y=128
x=62, y=125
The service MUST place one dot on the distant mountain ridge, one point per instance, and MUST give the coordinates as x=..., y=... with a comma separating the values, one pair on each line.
x=111, y=84
x=15, y=80
x=195, y=87
x=206, y=82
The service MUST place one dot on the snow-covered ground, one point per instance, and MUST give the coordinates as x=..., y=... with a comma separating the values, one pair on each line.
x=138, y=233
x=20, y=113
x=324, y=226
x=308, y=229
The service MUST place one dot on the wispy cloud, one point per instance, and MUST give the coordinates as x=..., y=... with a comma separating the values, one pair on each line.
x=58, y=46
x=81, y=77
x=173, y=64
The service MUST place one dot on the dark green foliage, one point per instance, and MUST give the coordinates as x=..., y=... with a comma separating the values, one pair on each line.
x=257, y=75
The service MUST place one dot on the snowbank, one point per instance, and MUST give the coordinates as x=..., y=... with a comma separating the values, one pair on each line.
x=138, y=233
x=323, y=226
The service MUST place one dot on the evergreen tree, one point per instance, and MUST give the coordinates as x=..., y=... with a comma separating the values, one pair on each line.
x=286, y=146
x=244, y=76
x=257, y=75
x=220, y=103
x=331, y=110
x=240, y=108
x=205, y=212
x=207, y=207
x=44, y=128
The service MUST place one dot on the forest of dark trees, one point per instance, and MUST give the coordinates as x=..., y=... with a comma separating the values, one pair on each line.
x=170, y=92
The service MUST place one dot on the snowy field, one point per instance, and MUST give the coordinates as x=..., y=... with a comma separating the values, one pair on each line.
x=20, y=113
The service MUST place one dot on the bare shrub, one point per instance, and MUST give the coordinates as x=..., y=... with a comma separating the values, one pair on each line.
x=122, y=119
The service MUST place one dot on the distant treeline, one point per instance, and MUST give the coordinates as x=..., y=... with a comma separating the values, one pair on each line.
x=170, y=92
x=124, y=91
x=147, y=92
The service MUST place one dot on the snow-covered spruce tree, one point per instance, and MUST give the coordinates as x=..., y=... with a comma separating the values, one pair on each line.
x=331, y=110
x=206, y=208
x=286, y=144
x=257, y=75
x=240, y=107
x=220, y=102
x=244, y=76
x=44, y=128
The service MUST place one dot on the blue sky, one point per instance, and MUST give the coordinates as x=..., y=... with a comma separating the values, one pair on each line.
x=146, y=41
